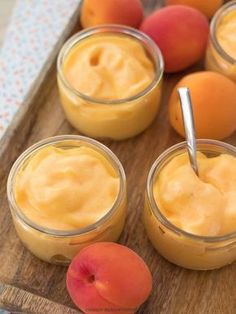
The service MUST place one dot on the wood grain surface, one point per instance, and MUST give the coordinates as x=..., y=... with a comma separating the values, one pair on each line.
x=175, y=290
x=17, y=300
x=32, y=286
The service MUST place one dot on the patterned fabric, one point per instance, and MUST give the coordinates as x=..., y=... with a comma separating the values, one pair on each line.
x=34, y=30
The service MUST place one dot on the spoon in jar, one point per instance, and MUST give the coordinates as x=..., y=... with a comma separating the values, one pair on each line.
x=189, y=127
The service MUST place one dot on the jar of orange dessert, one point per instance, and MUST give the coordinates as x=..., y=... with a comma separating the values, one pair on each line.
x=64, y=193
x=190, y=219
x=221, y=51
x=109, y=80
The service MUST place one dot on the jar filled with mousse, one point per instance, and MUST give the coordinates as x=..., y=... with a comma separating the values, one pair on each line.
x=65, y=193
x=190, y=219
x=221, y=50
x=109, y=80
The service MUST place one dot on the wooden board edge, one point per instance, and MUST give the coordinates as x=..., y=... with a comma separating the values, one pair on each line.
x=15, y=300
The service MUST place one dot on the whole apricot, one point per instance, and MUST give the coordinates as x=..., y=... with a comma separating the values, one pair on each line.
x=126, y=12
x=180, y=32
x=214, y=105
x=107, y=277
x=207, y=7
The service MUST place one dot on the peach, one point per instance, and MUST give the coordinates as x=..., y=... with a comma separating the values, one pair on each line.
x=180, y=32
x=214, y=105
x=107, y=277
x=207, y=7
x=124, y=12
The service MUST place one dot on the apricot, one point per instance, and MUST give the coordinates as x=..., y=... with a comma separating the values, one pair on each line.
x=94, y=12
x=107, y=277
x=180, y=32
x=207, y=7
x=214, y=105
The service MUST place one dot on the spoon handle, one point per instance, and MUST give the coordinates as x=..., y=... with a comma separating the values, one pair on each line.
x=189, y=127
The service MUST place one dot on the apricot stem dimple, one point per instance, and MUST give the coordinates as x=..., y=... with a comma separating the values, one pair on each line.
x=91, y=279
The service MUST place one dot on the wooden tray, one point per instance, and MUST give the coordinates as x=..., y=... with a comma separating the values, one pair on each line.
x=31, y=286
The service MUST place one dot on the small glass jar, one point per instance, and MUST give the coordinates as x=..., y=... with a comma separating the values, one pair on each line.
x=217, y=59
x=119, y=118
x=176, y=245
x=57, y=246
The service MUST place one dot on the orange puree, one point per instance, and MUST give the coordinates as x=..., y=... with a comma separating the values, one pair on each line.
x=223, y=59
x=226, y=33
x=110, y=83
x=66, y=189
x=204, y=205
x=108, y=67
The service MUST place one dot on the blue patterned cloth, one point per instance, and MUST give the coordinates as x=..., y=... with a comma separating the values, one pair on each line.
x=34, y=30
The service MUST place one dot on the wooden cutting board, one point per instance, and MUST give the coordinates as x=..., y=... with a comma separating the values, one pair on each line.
x=29, y=285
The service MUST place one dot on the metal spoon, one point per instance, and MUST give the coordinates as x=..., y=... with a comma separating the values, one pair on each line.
x=187, y=114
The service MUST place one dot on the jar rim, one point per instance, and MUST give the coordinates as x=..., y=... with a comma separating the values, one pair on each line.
x=226, y=8
x=145, y=40
x=154, y=206
x=55, y=140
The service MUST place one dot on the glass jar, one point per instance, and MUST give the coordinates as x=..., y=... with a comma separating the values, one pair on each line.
x=217, y=59
x=119, y=118
x=178, y=246
x=60, y=246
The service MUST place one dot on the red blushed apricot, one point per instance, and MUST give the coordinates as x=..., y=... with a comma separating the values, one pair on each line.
x=181, y=33
x=207, y=7
x=107, y=277
x=126, y=12
x=214, y=105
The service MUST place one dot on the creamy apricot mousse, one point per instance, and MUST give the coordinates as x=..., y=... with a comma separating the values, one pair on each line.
x=221, y=52
x=190, y=219
x=110, y=81
x=202, y=205
x=108, y=67
x=67, y=189
x=226, y=33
